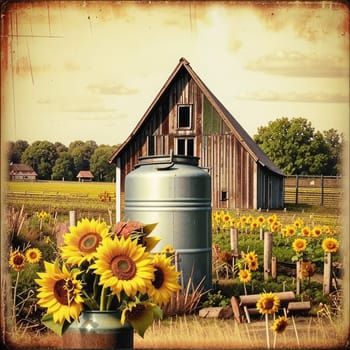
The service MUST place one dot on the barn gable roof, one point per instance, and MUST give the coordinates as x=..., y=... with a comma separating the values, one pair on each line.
x=247, y=142
x=22, y=169
x=85, y=174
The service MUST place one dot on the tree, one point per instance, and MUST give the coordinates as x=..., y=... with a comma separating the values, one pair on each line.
x=295, y=147
x=64, y=167
x=41, y=155
x=335, y=143
x=99, y=165
x=15, y=150
x=60, y=147
x=81, y=153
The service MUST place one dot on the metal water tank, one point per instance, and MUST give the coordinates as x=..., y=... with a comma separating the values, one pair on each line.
x=175, y=193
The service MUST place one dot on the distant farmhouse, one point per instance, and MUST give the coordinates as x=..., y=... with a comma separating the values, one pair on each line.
x=187, y=118
x=85, y=175
x=22, y=172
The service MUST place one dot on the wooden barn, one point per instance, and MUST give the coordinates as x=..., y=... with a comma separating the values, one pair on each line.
x=187, y=118
x=85, y=175
x=22, y=172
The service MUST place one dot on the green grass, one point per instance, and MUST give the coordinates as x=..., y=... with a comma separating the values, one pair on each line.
x=92, y=189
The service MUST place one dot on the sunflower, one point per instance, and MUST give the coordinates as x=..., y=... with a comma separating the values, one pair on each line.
x=280, y=324
x=82, y=241
x=17, y=261
x=275, y=226
x=60, y=292
x=250, y=219
x=260, y=219
x=124, y=266
x=254, y=225
x=226, y=218
x=298, y=223
x=299, y=244
x=316, y=231
x=253, y=265
x=245, y=276
x=33, y=255
x=250, y=256
x=271, y=219
x=243, y=220
x=165, y=281
x=168, y=249
x=330, y=245
x=268, y=303
x=306, y=231
x=290, y=230
x=140, y=315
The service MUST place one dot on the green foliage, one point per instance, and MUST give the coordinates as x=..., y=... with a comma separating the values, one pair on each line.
x=81, y=153
x=216, y=299
x=295, y=147
x=64, y=167
x=15, y=150
x=56, y=161
x=41, y=156
x=99, y=165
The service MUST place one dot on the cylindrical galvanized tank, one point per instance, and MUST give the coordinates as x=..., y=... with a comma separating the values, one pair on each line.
x=175, y=193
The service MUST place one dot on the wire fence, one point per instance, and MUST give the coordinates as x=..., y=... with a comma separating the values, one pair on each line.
x=324, y=191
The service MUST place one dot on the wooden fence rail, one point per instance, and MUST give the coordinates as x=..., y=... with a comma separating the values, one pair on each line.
x=325, y=191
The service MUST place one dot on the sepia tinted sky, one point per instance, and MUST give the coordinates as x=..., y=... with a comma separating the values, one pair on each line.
x=84, y=70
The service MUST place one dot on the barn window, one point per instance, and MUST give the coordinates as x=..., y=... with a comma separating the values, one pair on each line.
x=185, y=146
x=224, y=196
x=184, y=116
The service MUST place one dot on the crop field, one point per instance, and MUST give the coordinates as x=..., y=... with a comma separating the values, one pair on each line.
x=93, y=198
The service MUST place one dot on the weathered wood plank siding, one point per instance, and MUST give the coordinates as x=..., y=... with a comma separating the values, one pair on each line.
x=238, y=181
x=232, y=171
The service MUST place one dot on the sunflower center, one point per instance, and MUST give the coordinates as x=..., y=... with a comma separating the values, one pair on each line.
x=158, y=278
x=89, y=242
x=18, y=260
x=63, y=291
x=268, y=304
x=123, y=267
x=136, y=312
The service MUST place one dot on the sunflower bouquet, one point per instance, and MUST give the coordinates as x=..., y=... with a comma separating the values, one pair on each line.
x=98, y=268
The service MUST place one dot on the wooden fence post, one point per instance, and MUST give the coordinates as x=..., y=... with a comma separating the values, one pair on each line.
x=298, y=279
x=267, y=254
x=72, y=221
x=234, y=247
x=274, y=267
x=234, y=240
x=296, y=189
x=322, y=190
x=327, y=275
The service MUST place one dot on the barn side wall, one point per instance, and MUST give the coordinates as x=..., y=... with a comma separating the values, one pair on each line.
x=270, y=189
x=236, y=182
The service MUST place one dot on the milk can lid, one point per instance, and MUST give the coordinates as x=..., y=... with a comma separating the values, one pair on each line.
x=168, y=160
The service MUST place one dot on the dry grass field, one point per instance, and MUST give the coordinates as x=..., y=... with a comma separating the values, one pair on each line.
x=193, y=332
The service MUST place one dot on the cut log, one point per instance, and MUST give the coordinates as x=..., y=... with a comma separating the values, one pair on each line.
x=251, y=299
x=299, y=306
x=216, y=312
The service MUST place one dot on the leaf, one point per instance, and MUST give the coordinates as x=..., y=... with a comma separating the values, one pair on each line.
x=147, y=229
x=58, y=328
x=157, y=312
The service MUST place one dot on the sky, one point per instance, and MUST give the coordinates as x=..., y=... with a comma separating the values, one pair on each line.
x=84, y=70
